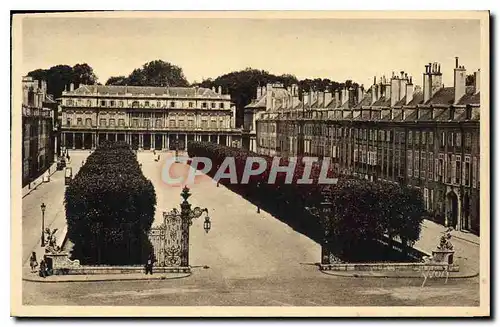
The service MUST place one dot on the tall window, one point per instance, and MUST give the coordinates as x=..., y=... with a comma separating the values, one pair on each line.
x=135, y=122
x=458, y=168
x=417, y=138
x=467, y=171
x=410, y=138
x=449, y=169
x=221, y=123
x=204, y=123
x=112, y=103
x=158, y=123
x=120, y=103
x=190, y=105
x=423, y=165
x=79, y=122
x=135, y=104
x=213, y=124
x=69, y=102
x=88, y=122
x=190, y=123
x=181, y=122
x=204, y=105
x=112, y=122
x=146, y=123
x=409, y=157
x=89, y=103
x=426, y=198
x=172, y=104
x=103, y=103
x=171, y=123
x=431, y=165
x=416, y=161
x=458, y=139
x=146, y=103
x=158, y=104
x=443, y=139
x=121, y=122
x=474, y=172
x=221, y=105
x=468, y=140
x=102, y=122
x=212, y=105
x=423, y=139
x=431, y=138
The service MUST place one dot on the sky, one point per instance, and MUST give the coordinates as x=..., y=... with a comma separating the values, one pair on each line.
x=338, y=49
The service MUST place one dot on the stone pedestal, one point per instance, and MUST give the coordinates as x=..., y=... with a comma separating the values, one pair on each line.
x=444, y=256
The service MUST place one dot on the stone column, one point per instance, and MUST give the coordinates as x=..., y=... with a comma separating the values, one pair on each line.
x=141, y=138
x=73, y=141
x=153, y=145
x=230, y=140
x=218, y=139
x=167, y=143
x=185, y=141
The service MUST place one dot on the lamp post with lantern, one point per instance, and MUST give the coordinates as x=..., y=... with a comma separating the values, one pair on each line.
x=187, y=215
x=42, y=207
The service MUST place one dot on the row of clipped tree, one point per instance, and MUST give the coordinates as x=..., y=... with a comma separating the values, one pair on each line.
x=361, y=212
x=110, y=208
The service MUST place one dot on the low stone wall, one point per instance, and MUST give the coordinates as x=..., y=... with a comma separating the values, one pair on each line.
x=110, y=270
x=396, y=266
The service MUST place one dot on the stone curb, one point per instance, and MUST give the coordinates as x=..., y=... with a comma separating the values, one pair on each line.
x=54, y=165
x=102, y=279
x=362, y=275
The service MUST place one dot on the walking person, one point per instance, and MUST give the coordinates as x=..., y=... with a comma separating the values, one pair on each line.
x=43, y=269
x=149, y=264
x=33, y=262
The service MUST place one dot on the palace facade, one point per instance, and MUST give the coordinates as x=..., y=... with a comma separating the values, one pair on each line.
x=37, y=129
x=148, y=118
x=425, y=137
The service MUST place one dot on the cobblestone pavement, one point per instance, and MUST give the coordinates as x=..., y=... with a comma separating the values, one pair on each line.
x=253, y=259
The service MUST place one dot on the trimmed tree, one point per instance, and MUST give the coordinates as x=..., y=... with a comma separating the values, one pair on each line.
x=110, y=208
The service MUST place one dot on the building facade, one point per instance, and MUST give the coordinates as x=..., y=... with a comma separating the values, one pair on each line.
x=147, y=118
x=425, y=137
x=37, y=129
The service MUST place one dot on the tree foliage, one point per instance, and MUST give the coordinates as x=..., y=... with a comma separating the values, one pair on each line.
x=361, y=212
x=61, y=76
x=110, y=208
x=153, y=73
x=242, y=85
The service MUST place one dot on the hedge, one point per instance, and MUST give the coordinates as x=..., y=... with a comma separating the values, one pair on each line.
x=110, y=208
x=361, y=211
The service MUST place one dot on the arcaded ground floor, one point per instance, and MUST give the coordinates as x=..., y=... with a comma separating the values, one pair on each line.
x=146, y=140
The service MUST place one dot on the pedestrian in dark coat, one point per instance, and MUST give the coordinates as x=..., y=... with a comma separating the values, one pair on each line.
x=149, y=264
x=33, y=262
x=43, y=269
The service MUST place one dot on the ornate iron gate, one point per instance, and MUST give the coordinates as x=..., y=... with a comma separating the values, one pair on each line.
x=167, y=240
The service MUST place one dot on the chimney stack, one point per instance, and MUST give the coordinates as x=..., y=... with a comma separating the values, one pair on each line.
x=409, y=92
x=477, y=80
x=328, y=98
x=71, y=87
x=269, y=93
x=220, y=90
x=459, y=81
x=374, y=93
x=259, y=92
x=337, y=98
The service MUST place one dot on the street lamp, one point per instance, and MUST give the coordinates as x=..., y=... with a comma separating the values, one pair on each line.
x=42, y=206
x=207, y=224
x=325, y=207
x=187, y=216
x=177, y=150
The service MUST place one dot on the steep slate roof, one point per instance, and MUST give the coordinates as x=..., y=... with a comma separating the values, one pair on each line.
x=418, y=98
x=445, y=95
x=366, y=101
x=382, y=102
x=146, y=90
x=470, y=97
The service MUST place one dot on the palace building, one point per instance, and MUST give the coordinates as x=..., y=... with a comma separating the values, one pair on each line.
x=395, y=131
x=148, y=118
x=37, y=129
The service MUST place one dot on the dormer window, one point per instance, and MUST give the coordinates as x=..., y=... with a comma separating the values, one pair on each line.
x=146, y=103
x=213, y=105
x=172, y=104
x=103, y=103
x=204, y=105
x=158, y=104
x=221, y=105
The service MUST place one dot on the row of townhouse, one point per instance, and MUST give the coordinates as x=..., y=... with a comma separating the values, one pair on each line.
x=425, y=137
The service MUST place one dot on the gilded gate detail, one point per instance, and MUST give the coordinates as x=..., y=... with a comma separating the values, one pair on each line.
x=167, y=240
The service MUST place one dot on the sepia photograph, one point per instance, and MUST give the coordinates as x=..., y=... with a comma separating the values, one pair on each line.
x=254, y=164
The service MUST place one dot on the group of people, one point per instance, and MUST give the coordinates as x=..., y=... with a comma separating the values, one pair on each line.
x=156, y=158
x=43, y=270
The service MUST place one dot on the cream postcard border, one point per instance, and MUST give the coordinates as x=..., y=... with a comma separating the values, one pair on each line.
x=18, y=309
